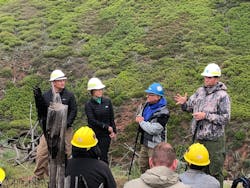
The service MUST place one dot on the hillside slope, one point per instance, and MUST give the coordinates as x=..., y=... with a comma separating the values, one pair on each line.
x=128, y=44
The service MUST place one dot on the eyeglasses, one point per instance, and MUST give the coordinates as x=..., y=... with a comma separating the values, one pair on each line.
x=151, y=95
x=210, y=77
x=206, y=77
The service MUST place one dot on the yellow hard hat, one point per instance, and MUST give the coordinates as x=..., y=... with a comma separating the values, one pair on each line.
x=57, y=75
x=197, y=154
x=84, y=137
x=2, y=175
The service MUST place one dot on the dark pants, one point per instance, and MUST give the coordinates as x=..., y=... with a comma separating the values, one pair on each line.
x=217, y=153
x=104, y=143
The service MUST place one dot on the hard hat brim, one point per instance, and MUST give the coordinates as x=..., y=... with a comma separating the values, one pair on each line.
x=61, y=78
x=85, y=146
x=148, y=91
x=99, y=87
x=209, y=75
x=196, y=163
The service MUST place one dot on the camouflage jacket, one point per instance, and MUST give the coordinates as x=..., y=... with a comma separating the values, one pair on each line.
x=215, y=102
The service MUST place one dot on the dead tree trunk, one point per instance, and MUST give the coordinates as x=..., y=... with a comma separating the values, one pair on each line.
x=55, y=136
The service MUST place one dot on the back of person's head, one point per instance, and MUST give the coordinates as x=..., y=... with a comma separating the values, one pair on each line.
x=163, y=155
x=84, y=143
x=197, y=156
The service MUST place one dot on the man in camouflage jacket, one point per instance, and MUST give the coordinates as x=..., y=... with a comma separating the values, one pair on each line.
x=210, y=106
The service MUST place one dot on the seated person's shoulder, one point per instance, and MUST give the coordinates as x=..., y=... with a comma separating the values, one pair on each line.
x=135, y=183
x=180, y=185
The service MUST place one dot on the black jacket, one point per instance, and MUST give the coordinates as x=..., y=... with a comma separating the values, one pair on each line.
x=93, y=171
x=67, y=98
x=100, y=116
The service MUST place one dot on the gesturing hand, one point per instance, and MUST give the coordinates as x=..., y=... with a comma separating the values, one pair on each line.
x=110, y=129
x=37, y=91
x=112, y=135
x=180, y=99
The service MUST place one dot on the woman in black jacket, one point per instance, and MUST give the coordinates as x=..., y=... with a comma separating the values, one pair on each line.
x=100, y=115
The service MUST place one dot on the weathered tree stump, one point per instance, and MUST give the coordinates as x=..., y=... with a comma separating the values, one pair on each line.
x=55, y=136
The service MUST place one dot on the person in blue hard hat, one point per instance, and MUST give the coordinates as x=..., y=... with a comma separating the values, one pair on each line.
x=152, y=121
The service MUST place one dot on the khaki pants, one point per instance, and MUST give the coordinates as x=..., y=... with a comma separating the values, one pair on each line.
x=42, y=156
x=145, y=153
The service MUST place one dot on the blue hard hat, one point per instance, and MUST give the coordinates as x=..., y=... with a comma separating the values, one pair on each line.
x=156, y=89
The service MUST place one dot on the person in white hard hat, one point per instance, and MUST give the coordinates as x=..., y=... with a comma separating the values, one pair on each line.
x=100, y=115
x=58, y=81
x=211, y=107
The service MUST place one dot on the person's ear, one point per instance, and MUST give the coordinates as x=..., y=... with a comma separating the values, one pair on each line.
x=174, y=165
x=150, y=162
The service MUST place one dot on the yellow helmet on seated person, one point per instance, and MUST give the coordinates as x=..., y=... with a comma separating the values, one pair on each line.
x=84, y=137
x=2, y=176
x=197, y=154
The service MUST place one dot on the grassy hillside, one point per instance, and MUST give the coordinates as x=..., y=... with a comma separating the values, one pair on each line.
x=128, y=44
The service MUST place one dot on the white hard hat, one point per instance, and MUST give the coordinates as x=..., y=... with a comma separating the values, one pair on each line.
x=95, y=83
x=57, y=75
x=211, y=70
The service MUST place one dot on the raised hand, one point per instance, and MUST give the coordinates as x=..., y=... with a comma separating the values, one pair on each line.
x=180, y=99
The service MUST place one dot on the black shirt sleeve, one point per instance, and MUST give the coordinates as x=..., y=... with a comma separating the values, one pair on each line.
x=72, y=110
x=112, y=120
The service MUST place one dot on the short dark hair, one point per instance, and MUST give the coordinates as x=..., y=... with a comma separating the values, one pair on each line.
x=163, y=155
x=195, y=167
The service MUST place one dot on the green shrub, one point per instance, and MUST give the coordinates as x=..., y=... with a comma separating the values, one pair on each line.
x=59, y=52
x=20, y=124
x=6, y=72
x=10, y=39
x=240, y=135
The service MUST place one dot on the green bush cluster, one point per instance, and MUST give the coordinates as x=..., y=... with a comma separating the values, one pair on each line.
x=169, y=42
x=128, y=44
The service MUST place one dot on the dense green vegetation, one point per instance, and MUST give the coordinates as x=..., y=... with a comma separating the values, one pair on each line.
x=128, y=44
